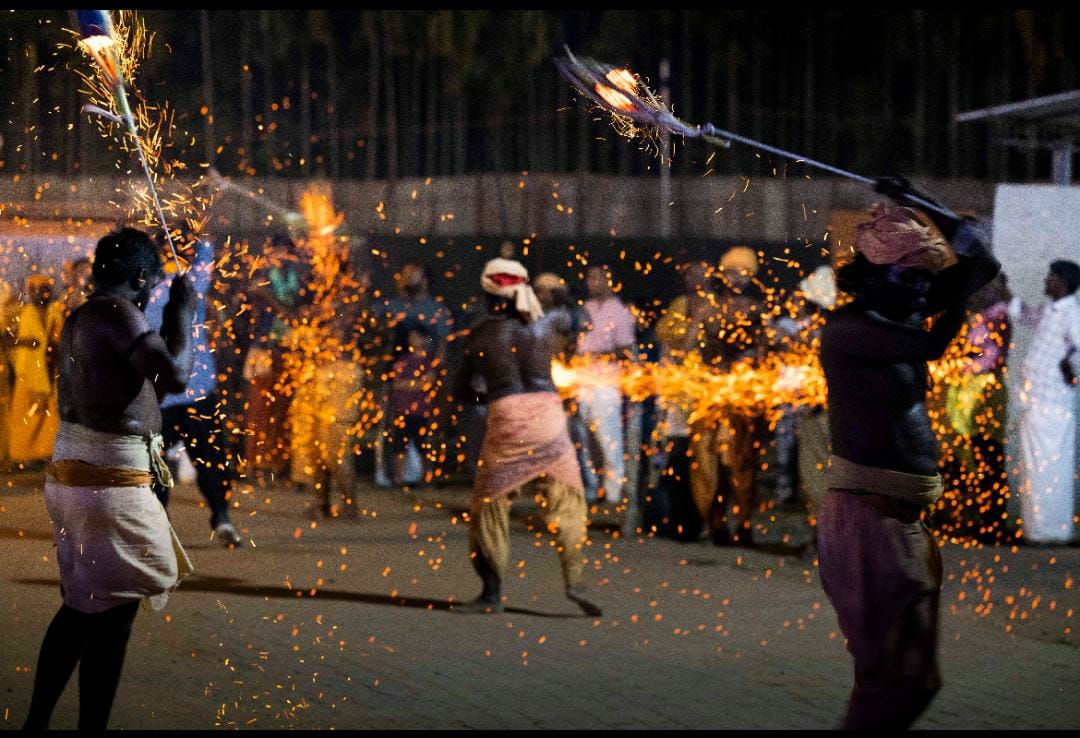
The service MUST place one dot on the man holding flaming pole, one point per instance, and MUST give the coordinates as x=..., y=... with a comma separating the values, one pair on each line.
x=879, y=565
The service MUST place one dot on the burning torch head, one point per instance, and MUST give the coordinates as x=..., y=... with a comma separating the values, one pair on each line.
x=97, y=37
x=615, y=89
x=622, y=93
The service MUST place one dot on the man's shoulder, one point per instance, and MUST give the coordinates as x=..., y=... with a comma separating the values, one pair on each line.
x=109, y=314
x=107, y=308
x=1071, y=304
x=843, y=317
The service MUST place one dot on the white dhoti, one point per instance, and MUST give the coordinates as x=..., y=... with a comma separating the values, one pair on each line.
x=1048, y=444
x=114, y=542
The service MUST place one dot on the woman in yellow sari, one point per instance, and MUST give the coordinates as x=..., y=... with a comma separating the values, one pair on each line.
x=32, y=418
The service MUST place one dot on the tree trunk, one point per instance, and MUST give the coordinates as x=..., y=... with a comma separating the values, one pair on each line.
x=584, y=141
x=563, y=109
x=781, y=112
x=496, y=141
x=833, y=95
x=686, y=74
x=209, y=145
x=246, y=103
x=71, y=115
x=922, y=74
x=732, y=95
x=531, y=127
x=757, y=90
x=333, y=97
x=374, y=75
x=414, y=131
x=305, y=102
x=809, y=127
x=712, y=72
x=29, y=88
x=461, y=132
x=430, y=112
x=546, y=122
x=953, y=93
x=269, y=119
x=446, y=109
x=884, y=140
x=391, y=120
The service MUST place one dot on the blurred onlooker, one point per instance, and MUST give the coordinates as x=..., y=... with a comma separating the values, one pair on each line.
x=805, y=428
x=552, y=292
x=1047, y=406
x=33, y=417
x=77, y=276
x=797, y=466
x=412, y=305
x=677, y=331
x=280, y=293
x=193, y=417
x=976, y=407
x=411, y=399
x=7, y=329
x=554, y=295
x=326, y=413
x=608, y=339
x=725, y=449
x=640, y=420
x=673, y=512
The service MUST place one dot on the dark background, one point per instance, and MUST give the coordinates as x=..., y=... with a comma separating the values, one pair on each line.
x=388, y=93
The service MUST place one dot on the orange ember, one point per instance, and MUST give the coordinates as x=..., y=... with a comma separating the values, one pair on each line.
x=613, y=97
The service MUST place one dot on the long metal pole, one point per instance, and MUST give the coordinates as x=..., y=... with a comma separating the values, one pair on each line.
x=709, y=129
x=665, y=158
x=129, y=121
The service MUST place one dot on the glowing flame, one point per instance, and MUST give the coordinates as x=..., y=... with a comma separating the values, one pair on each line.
x=613, y=97
x=103, y=50
x=624, y=79
x=319, y=214
x=763, y=387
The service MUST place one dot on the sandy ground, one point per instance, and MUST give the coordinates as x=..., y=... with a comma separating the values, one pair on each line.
x=345, y=624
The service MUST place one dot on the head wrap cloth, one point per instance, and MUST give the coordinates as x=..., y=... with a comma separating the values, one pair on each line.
x=509, y=279
x=820, y=287
x=902, y=236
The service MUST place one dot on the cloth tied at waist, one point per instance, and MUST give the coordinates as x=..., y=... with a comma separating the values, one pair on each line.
x=119, y=460
x=912, y=489
x=526, y=437
x=113, y=538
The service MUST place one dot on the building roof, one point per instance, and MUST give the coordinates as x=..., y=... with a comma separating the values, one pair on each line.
x=1053, y=112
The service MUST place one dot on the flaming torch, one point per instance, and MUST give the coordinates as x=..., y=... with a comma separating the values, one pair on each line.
x=98, y=38
x=635, y=109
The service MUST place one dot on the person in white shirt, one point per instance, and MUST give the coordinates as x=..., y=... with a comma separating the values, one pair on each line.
x=609, y=338
x=1047, y=407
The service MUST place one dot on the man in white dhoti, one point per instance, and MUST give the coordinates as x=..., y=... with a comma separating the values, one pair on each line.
x=1048, y=407
x=115, y=546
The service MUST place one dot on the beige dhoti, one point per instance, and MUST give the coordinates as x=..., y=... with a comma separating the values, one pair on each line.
x=114, y=542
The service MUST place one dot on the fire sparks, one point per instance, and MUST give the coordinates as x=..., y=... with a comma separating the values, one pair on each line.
x=107, y=84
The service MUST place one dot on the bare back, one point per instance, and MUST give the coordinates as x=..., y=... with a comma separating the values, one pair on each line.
x=100, y=387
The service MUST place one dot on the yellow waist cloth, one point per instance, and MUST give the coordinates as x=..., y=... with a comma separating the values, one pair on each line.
x=78, y=473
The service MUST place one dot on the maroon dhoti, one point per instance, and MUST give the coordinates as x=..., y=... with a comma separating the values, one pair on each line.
x=882, y=572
